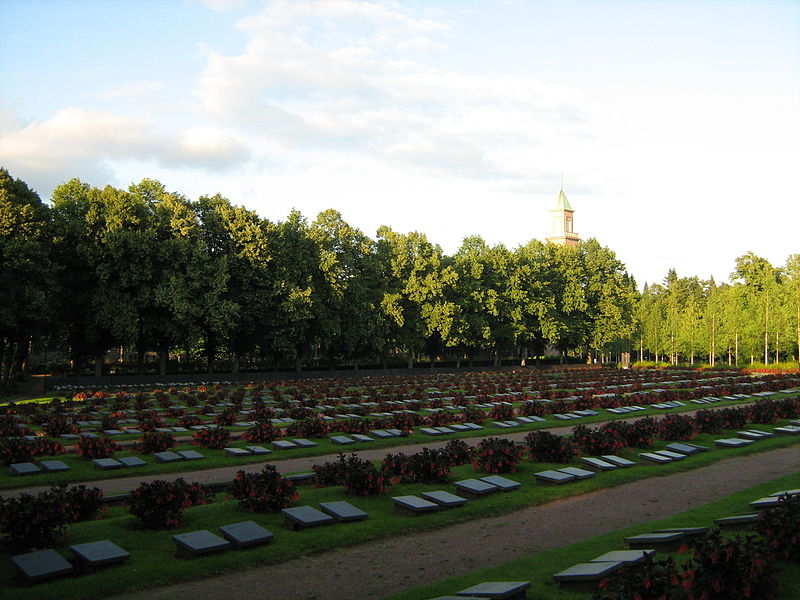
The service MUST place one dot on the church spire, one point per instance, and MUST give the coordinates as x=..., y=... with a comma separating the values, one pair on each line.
x=563, y=222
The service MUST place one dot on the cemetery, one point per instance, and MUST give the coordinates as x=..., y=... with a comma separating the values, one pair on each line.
x=450, y=449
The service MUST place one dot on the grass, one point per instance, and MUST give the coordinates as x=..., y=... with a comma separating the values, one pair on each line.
x=540, y=568
x=153, y=562
x=84, y=471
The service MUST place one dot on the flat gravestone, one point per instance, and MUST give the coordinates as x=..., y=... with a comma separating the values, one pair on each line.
x=578, y=473
x=475, y=487
x=304, y=443
x=236, y=452
x=413, y=505
x=24, y=468
x=343, y=511
x=41, y=565
x=301, y=478
x=686, y=531
x=764, y=503
x=552, y=477
x=381, y=434
x=444, y=498
x=106, y=464
x=113, y=431
x=302, y=517
x=750, y=435
x=683, y=448
x=583, y=574
x=130, y=462
x=732, y=443
x=765, y=434
x=587, y=572
x=198, y=543
x=190, y=455
x=737, y=521
x=246, y=534
x=597, y=464
x=167, y=456
x=786, y=493
x=655, y=458
x=133, y=431
x=430, y=431
x=99, y=554
x=670, y=454
x=658, y=540
x=342, y=440
x=257, y=450
x=501, y=590
x=54, y=466
x=618, y=460
x=444, y=430
x=360, y=437
x=699, y=447
x=788, y=430
x=505, y=484
x=625, y=556
x=284, y=445
x=473, y=426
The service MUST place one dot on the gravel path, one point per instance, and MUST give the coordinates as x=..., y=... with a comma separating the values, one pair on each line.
x=383, y=567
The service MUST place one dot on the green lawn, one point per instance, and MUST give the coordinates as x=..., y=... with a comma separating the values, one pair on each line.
x=153, y=562
x=540, y=568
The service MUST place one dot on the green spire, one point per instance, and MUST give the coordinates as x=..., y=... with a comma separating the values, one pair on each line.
x=563, y=203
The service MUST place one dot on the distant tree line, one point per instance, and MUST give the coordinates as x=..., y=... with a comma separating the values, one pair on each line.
x=152, y=273
x=753, y=319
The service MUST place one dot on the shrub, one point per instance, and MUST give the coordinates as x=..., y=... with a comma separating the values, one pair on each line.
x=149, y=420
x=532, y=409
x=262, y=431
x=645, y=580
x=266, y=491
x=57, y=425
x=544, y=446
x=780, y=526
x=677, y=427
x=427, y=466
x=159, y=504
x=99, y=447
x=362, y=479
x=458, y=452
x=79, y=502
x=405, y=422
x=226, y=417
x=154, y=441
x=597, y=441
x=331, y=472
x=502, y=412
x=473, y=414
x=188, y=420
x=31, y=521
x=734, y=417
x=14, y=450
x=214, y=438
x=496, y=455
x=709, y=421
x=310, y=427
x=440, y=419
x=731, y=569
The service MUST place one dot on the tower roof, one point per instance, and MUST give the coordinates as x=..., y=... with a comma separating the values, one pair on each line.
x=563, y=203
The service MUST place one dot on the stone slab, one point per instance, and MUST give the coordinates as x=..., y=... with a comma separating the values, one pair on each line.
x=246, y=534
x=578, y=473
x=444, y=498
x=258, y=450
x=167, y=456
x=732, y=443
x=413, y=505
x=98, y=554
x=343, y=511
x=236, y=452
x=505, y=484
x=587, y=572
x=505, y=590
x=41, y=565
x=130, y=462
x=553, y=477
x=685, y=449
x=475, y=487
x=597, y=464
x=618, y=460
x=198, y=543
x=302, y=517
x=304, y=443
x=24, y=468
x=655, y=458
x=190, y=455
x=284, y=445
x=659, y=540
x=106, y=464
x=342, y=440
x=625, y=556
x=54, y=466
x=737, y=521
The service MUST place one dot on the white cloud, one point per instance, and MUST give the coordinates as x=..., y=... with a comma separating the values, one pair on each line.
x=79, y=143
x=222, y=5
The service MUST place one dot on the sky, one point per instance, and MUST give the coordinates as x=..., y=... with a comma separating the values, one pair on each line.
x=674, y=125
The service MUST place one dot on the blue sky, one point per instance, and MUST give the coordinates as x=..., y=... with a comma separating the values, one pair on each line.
x=675, y=124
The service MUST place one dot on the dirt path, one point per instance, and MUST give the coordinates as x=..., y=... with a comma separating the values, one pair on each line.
x=377, y=569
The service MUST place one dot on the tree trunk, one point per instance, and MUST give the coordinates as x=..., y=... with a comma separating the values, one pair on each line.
x=411, y=359
x=298, y=363
x=211, y=351
x=162, y=361
x=766, y=334
x=458, y=361
x=98, y=363
x=235, y=363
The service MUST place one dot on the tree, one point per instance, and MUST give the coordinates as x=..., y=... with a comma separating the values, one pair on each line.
x=761, y=283
x=26, y=270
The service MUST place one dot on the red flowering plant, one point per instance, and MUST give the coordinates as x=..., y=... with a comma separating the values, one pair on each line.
x=597, y=441
x=709, y=421
x=363, y=479
x=159, y=504
x=647, y=579
x=532, y=409
x=226, y=417
x=473, y=414
x=96, y=447
x=332, y=472
x=189, y=420
x=405, y=422
x=441, y=418
x=780, y=526
x=57, y=425
x=17, y=449
x=212, y=438
x=739, y=568
x=263, y=431
x=544, y=446
x=310, y=427
x=265, y=491
x=677, y=427
x=154, y=441
x=428, y=466
x=149, y=420
x=458, y=452
x=735, y=417
x=496, y=455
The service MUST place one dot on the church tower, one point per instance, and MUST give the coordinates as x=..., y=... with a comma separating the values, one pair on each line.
x=562, y=223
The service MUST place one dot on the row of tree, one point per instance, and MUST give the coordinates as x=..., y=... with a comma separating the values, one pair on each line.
x=754, y=318
x=148, y=270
